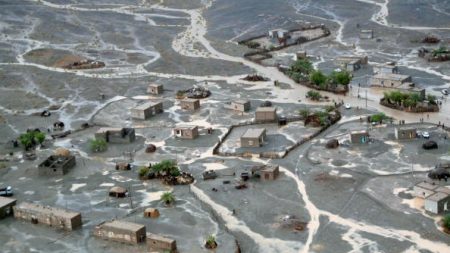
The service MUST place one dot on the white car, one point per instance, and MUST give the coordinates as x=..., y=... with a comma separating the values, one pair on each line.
x=445, y=92
x=348, y=106
x=426, y=135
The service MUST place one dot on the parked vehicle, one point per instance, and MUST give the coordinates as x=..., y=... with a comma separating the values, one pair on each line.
x=445, y=92
x=426, y=135
x=6, y=191
x=348, y=106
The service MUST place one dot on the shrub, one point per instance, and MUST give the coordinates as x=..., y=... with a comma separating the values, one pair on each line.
x=379, y=117
x=313, y=95
x=303, y=66
x=446, y=221
x=340, y=77
x=304, y=113
x=98, y=145
x=166, y=166
x=143, y=171
x=168, y=198
x=31, y=139
x=318, y=78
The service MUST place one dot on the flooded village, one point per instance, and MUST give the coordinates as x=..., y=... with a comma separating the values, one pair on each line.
x=224, y=126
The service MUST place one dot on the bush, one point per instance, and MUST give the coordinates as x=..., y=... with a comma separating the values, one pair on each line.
x=143, y=171
x=31, y=139
x=166, y=166
x=446, y=221
x=379, y=117
x=304, y=113
x=431, y=99
x=303, y=66
x=329, y=108
x=168, y=198
x=318, y=78
x=340, y=77
x=313, y=95
x=98, y=145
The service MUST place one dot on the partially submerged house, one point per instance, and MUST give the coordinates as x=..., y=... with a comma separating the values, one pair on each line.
x=359, y=137
x=266, y=114
x=240, y=105
x=6, y=206
x=116, y=135
x=396, y=82
x=351, y=63
x=387, y=68
x=405, y=133
x=160, y=243
x=366, y=34
x=50, y=216
x=253, y=137
x=56, y=165
x=270, y=172
x=437, y=203
x=186, y=132
x=190, y=104
x=118, y=192
x=121, y=231
x=301, y=55
x=146, y=110
x=155, y=89
x=151, y=213
x=278, y=33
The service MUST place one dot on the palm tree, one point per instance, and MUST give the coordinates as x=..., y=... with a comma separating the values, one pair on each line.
x=168, y=198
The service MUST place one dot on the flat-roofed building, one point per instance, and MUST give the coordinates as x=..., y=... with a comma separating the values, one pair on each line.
x=405, y=133
x=359, y=137
x=351, y=63
x=158, y=243
x=121, y=231
x=389, y=80
x=266, y=114
x=437, y=203
x=155, y=89
x=116, y=135
x=56, y=165
x=253, y=137
x=50, y=216
x=190, y=104
x=387, y=68
x=240, y=105
x=6, y=206
x=146, y=110
x=270, y=172
x=366, y=34
x=186, y=132
x=424, y=189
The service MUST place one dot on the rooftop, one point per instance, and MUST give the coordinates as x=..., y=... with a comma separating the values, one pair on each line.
x=443, y=189
x=426, y=185
x=110, y=129
x=406, y=129
x=159, y=238
x=266, y=109
x=241, y=101
x=270, y=167
x=438, y=196
x=253, y=133
x=155, y=85
x=190, y=100
x=31, y=207
x=185, y=127
x=359, y=132
x=124, y=225
x=6, y=201
x=390, y=76
x=146, y=105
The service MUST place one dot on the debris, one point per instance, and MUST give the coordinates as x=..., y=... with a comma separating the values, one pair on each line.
x=430, y=145
x=333, y=143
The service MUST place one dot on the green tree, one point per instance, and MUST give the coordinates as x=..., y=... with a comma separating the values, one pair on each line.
x=168, y=198
x=304, y=113
x=317, y=78
x=379, y=117
x=143, y=171
x=31, y=139
x=431, y=99
x=303, y=66
x=211, y=242
x=166, y=166
x=340, y=77
x=98, y=145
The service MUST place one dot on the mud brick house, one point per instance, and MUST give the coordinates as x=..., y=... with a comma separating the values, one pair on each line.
x=359, y=137
x=253, y=137
x=424, y=189
x=121, y=231
x=158, y=243
x=387, y=68
x=438, y=202
x=56, y=165
x=351, y=63
x=270, y=172
x=155, y=89
x=151, y=213
x=190, y=104
x=50, y=216
x=146, y=110
x=366, y=34
x=405, y=133
x=266, y=114
x=116, y=135
x=278, y=33
x=186, y=132
x=118, y=192
x=6, y=206
x=240, y=105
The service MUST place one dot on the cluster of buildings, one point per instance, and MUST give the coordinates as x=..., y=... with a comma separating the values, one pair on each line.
x=437, y=198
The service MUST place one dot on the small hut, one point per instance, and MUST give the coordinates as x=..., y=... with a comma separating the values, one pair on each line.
x=151, y=213
x=118, y=192
x=62, y=152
